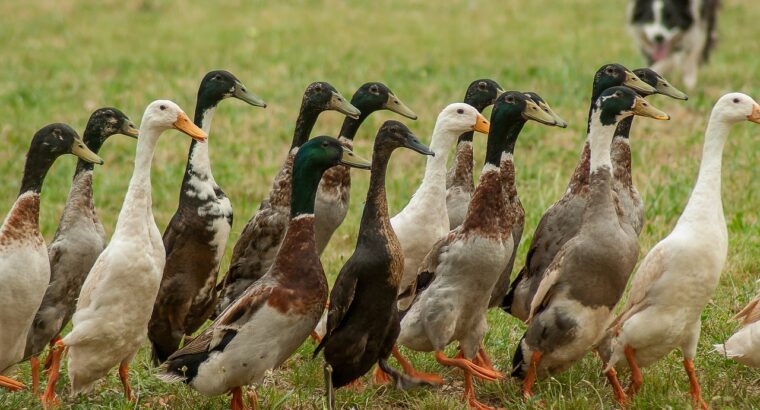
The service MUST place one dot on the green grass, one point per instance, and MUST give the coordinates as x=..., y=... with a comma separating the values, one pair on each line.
x=63, y=59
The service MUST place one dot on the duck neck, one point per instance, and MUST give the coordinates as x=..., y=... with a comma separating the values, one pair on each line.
x=501, y=140
x=376, y=205
x=303, y=190
x=35, y=169
x=198, y=162
x=94, y=140
x=138, y=198
x=600, y=142
x=351, y=125
x=707, y=190
x=435, y=167
x=307, y=117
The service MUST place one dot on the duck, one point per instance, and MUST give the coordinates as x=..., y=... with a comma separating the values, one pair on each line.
x=362, y=322
x=744, y=345
x=463, y=267
x=78, y=241
x=585, y=281
x=459, y=179
x=110, y=323
x=334, y=191
x=676, y=279
x=627, y=194
x=561, y=221
x=196, y=236
x=424, y=220
x=515, y=208
x=257, y=246
x=273, y=317
x=24, y=259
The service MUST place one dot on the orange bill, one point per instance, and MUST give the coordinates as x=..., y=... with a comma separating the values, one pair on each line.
x=184, y=124
x=482, y=125
x=755, y=116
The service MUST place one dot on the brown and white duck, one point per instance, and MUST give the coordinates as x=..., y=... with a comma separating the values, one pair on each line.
x=334, y=191
x=459, y=179
x=272, y=318
x=575, y=299
x=562, y=220
x=196, y=236
x=79, y=240
x=515, y=207
x=257, y=246
x=459, y=273
x=24, y=259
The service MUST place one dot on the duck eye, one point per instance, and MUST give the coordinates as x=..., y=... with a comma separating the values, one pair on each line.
x=217, y=77
x=460, y=111
x=510, y=99
x=481, y=86
x=325, y=144
x=608, y=70
x=163, y=107
x=373, y=89
x=318, y=88
x=736, y=101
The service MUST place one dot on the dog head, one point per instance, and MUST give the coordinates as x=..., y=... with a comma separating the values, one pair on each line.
x=659, y=25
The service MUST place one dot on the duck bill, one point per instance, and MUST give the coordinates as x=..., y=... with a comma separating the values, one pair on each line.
x=184, y=124
x=644, y=109
x=340, y=104
x=482, y=125
x=395, y=105
x=634, y=82
x=415, y=145
x=533, y=112
x=557, y=119
x=352, y=160
x=755, y=116
x=81, y=150
x=130, y=130
x=665, y=88
x=241, y=93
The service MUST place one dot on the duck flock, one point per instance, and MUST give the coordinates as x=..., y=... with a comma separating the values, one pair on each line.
x=422, y=279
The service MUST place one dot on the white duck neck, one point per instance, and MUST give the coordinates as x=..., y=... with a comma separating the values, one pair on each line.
x=600, y=139
x=138, y=201
x=435, y=167
x=705, y=199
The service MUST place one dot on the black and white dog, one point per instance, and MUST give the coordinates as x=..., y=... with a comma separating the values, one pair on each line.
x=674, y=34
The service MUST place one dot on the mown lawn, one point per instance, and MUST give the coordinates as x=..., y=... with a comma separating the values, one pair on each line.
x=62, y=59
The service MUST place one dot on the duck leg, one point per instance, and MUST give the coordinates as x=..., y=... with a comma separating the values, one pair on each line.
x=636, y=379
x=237, y=399
x=469, y=369
x=35, y=362
x=253, y=398
x=329, y=390
x=695, y=391
x=124, y=377
x=380, y=376
x=429, y=378
x=49, y=398
x=530, y=378
x=616, y=387
x=10, y=384
x=49, y=358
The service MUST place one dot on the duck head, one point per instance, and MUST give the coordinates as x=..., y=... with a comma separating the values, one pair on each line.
x=393, y=134
x=220, y=84
x=482, y=93
x=105, y=122
x=617, y=103
x=161, y=115
x=612, y=75
x=321, y=96
x=374, y=96
x=660, y=84
x=458, y=118
x=736, y=107
x=543, y=105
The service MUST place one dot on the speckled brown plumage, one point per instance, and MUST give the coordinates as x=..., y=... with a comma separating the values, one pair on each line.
x=22, y=223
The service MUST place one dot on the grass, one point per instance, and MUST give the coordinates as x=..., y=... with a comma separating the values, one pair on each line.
x=62, y=59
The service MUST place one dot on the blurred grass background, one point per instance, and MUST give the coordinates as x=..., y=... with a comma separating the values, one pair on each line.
x=62, y=59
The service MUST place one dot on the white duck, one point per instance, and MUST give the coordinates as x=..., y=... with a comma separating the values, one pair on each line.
x=425, y=219
x=116, y=300
x=24, y=264
x=677, y=278
x=744, y=345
